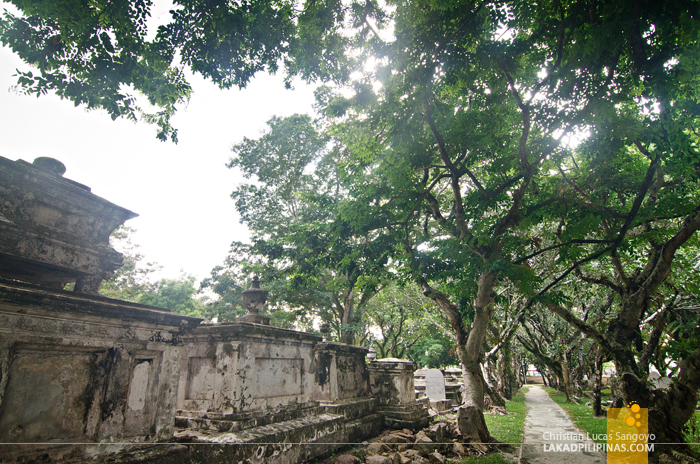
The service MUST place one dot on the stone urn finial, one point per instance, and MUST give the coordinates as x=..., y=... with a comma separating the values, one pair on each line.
x=254, y=300
x=51, y=165
x=372, y=353
x=325, y=329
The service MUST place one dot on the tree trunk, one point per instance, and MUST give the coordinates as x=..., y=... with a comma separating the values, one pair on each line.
x=567, y=381
x=470, y=344
x=505, y=372
x=668, y=410
x=470, y=416
x=347, y=336
x=492, y=396
x=518, y=369
x=598, y=383
x=471, y=424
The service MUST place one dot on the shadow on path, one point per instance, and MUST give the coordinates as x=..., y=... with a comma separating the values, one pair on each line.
x=546, y=422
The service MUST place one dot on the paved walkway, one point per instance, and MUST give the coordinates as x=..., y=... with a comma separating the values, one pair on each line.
x=546, y=422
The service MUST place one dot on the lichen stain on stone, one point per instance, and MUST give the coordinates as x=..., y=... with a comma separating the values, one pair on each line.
x=211, y=350
x=323, y=370
x=113, y=393
x=228, y=349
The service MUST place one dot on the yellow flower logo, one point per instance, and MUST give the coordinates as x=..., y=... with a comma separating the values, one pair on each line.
x=633, y=418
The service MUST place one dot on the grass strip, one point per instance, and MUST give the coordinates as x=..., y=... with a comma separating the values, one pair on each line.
x=493, y=458
x=692, y=432
x=509, y=428
x=581, y=415
x=506, y=429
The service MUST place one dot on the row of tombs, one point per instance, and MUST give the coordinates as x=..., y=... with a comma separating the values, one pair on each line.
x=88, y=378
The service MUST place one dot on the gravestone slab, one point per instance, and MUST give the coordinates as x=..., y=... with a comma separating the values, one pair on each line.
x=435, y=385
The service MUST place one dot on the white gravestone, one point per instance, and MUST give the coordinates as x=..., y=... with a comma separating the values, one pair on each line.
x=435, y=385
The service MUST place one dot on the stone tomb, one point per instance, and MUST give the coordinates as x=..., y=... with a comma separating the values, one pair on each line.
x=251, y=383
x=391, y=380
x=74, y=367
x=237, y=368
x=434, y=384
x=454, y=385
x=53, y=230
x=419, y=382
x=85, y=378
x=82, y=369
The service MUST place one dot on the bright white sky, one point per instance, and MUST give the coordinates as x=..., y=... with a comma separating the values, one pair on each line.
x=187, y=219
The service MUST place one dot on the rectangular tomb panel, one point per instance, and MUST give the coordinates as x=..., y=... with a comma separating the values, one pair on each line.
x=142, y=397
x=200, y=378
x=353, y=379
x=278, y=377
x=48, y=395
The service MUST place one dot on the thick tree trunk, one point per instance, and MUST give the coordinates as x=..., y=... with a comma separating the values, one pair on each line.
x=347, y=336
x=470, y=343
x=518, y=369
x=669, y=410
x=492, y=397
x=471, y=424
x=470, y=416
x=553, y=381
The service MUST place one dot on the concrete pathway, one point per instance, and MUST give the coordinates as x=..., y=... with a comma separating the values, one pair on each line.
x=547, y=424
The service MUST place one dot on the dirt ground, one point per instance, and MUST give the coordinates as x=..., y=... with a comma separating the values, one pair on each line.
x=546, y=425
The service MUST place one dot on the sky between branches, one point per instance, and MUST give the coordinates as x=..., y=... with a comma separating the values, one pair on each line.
x=181, y=192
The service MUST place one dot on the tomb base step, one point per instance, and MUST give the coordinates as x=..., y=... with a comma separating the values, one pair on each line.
x=360, y=429
x=282, y=443
x=352, y=408
x=441, y=405
x=288, y=442
x=95, y=453
x=217, y=422
x=413, y=417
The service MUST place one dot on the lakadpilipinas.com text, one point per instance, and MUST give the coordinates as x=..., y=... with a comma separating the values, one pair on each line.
x=635, y=443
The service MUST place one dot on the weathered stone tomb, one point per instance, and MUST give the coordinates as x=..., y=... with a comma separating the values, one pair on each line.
x=85, y=378
x=74, y=367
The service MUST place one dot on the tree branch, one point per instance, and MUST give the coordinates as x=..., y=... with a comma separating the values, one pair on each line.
x=554, y=247
x=587, y=329
x=508, y=333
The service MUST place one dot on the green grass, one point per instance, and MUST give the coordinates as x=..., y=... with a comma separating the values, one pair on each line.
x=692, y=432
x=506, y=429
x=604, y=393
x=581, y=415
x=493, y=458
x=509, y=428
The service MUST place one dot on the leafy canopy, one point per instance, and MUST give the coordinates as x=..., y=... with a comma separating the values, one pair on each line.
x=101, y=53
